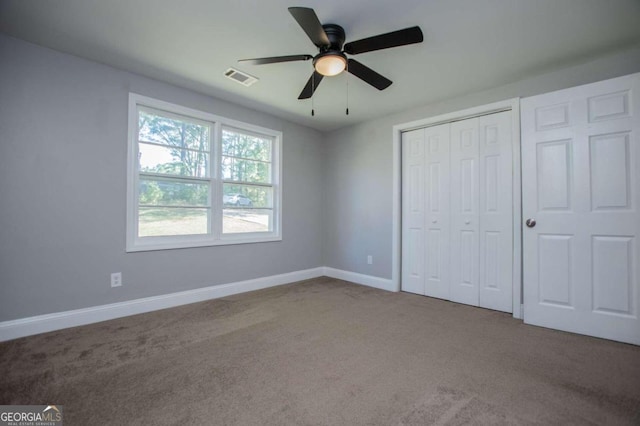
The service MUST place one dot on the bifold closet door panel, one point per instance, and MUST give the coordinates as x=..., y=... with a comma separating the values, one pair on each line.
x=413, y=217
x=496, y=212
x=437, y=212
x=464, y=216
x=457, y=238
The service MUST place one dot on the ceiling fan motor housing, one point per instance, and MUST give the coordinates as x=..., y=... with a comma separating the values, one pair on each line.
x=336, y=36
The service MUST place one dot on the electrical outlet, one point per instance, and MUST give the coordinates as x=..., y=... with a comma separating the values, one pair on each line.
x=116, y=279
x=369, y=260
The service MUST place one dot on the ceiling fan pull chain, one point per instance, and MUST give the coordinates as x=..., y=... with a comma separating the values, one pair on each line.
x=347, y=88
x=313, y=90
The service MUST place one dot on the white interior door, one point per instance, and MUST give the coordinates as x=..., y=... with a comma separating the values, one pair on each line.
x=581, y=183
x=465, y=216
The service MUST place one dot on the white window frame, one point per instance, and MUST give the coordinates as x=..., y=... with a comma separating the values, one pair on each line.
x=216, y=237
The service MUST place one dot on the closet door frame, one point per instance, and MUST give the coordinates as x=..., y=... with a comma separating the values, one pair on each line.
x=512, y=105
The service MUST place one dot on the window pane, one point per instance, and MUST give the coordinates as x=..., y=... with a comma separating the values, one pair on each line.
x=243, y=196
x=170, y=131
x=172, y=161
x=235, y=221
x=162, y=221
x=243, y=170
x=161, y=192
x=236, y=144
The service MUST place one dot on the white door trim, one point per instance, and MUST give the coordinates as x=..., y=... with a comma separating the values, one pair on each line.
x=512, y=105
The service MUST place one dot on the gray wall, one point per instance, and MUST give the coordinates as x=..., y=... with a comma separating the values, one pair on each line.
x=63, y=141
x=63, y=154
x=358, y=159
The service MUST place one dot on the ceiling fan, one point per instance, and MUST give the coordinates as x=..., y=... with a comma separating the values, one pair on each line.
x=332, y=59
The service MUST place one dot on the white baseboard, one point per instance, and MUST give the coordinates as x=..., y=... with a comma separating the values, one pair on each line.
x=50, y=322
x=14, y=329
x=354, y=277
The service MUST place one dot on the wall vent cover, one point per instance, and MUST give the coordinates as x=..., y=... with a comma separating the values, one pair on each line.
x=240, y=77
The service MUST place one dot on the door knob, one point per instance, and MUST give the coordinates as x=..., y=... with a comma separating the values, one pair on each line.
x=531, y=223
x=467, y=222
x=434, y=221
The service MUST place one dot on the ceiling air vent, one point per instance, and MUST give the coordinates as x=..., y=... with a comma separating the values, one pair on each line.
x=240, y=77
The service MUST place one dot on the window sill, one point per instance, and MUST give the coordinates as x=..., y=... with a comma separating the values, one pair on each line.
x=224, y=241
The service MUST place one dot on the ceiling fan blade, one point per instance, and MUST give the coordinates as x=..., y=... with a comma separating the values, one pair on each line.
x=276, y=59
x=311, y=25
x=368, y=75
x=311, y=86
x=384, y=41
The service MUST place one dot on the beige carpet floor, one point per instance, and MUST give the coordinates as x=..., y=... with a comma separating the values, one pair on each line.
x=323, y=352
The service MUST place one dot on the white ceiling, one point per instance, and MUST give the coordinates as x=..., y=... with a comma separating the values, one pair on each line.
x=469, y=45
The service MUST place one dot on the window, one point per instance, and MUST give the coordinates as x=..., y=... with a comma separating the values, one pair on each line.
x=196, y=179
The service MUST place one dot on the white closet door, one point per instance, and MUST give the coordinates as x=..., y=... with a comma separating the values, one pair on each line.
x=581, y=184
x=437, y=212
x=496, y=212
x=464, y=212
x=457, y=238
x=413, y=217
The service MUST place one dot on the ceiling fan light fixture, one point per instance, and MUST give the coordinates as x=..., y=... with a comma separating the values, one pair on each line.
x=330, y=63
